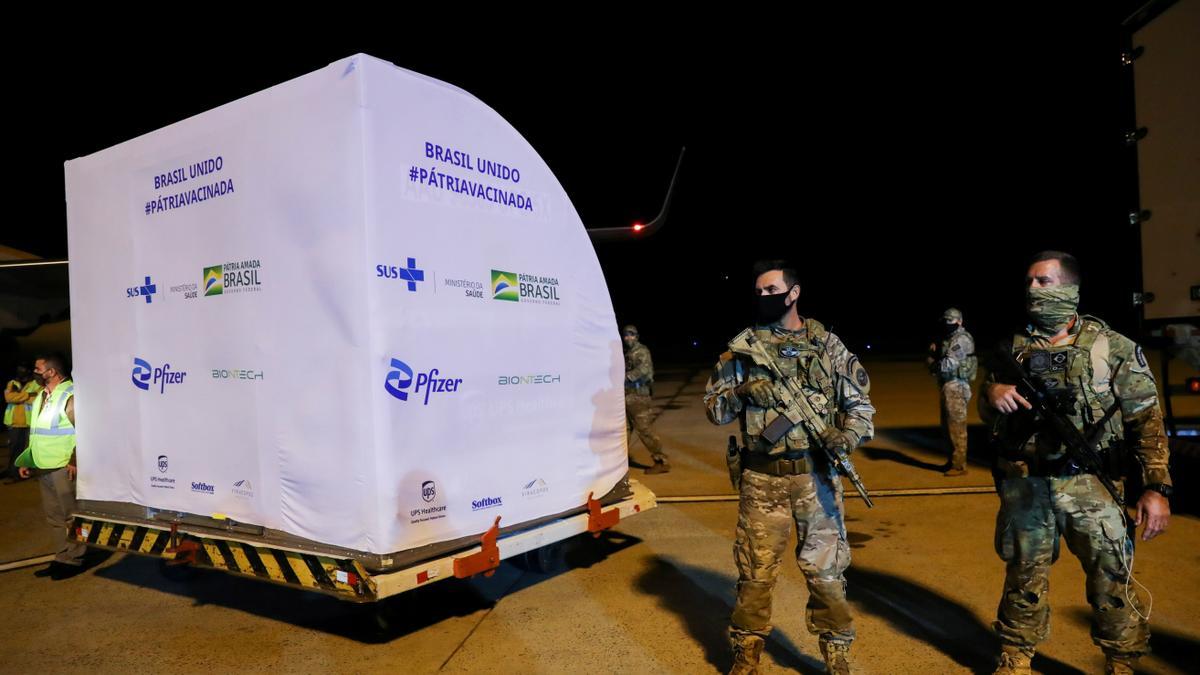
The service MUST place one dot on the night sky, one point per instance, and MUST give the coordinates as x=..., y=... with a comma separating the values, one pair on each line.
x=905, y=161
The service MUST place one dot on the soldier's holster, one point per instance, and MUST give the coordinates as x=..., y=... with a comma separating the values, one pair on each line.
x=733, y=457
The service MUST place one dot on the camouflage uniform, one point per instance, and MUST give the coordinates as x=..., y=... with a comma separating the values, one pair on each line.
x=1043, y=496
x=954, y=366
x=639, y=410
x=783, y=484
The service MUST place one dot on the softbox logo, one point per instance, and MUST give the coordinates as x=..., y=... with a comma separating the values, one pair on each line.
x=162, y=464
x=428, y=491
x=487, y=503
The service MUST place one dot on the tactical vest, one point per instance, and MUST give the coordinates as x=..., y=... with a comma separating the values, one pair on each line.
x=1066, y=373
x=804, y=357
x=967, y=366
x=51, y=434
x=641, y=386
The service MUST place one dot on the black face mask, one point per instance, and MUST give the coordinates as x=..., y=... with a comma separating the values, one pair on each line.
x=40, y=379
x=772, y=307
x=949, y=328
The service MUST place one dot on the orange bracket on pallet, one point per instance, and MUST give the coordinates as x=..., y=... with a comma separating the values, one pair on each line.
x=598, y=520
x=486, y=560
x=185, y=550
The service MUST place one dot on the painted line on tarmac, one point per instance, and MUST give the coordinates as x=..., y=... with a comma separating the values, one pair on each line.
x=27, y=562
x=899, y=492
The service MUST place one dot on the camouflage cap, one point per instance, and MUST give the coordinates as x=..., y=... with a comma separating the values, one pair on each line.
x=629, y=329
x=952, y=314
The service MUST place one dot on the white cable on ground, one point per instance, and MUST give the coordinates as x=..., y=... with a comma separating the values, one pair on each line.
x=1129, y=572
x=27, y=562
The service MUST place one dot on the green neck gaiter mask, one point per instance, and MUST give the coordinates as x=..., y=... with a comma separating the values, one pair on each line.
x=1050, y=309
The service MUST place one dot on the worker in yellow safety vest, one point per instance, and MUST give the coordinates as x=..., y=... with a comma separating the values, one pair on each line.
x=19, y=394
x=51, y=458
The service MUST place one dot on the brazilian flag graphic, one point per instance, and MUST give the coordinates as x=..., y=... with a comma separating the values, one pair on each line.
x=504, y=286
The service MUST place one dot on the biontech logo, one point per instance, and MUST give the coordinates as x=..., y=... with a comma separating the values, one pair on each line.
x=236, y=374
x=511, y=380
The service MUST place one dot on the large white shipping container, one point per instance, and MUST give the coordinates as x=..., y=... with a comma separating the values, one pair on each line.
x=356, y=308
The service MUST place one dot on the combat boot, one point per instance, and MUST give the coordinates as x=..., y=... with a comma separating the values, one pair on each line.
x=747, y=649
x=836, y=654
x=1014, y=661
x=1119, y=664
x=660, y=466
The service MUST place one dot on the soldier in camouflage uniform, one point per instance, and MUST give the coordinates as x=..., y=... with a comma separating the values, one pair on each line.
x=953, y=363
x=790, y=482
x=1045, y=496
x=639, y=410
